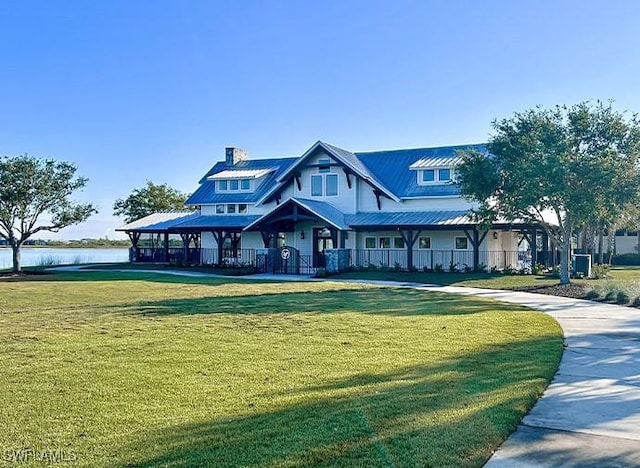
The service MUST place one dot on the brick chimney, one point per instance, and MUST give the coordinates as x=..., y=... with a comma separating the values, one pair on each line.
x=234, y=156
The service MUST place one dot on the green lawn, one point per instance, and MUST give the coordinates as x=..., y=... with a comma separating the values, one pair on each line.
x=133, y=369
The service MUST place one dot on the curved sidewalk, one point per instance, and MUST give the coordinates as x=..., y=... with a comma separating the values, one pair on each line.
x=590, y=413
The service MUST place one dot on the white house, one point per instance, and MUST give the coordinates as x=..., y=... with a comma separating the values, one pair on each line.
x=392, y=208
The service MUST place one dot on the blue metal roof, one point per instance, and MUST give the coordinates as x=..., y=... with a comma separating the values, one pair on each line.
x=322, y=210
x=206, y=193
x=417, y=218
x=325, y=211
x=392, y=169
x=217, y=221
x=161, y=221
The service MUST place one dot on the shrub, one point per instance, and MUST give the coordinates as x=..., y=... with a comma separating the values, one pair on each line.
x=538, y=269
x=396, y=267
x=636, y=302
x=592, y=295
x=622, y=298
x=482, y=268
x=438, y=268
x=611, y=296
x=320, y=273
x=466, y=268
x=600, y=271
x=626, y=259
x=555, y=272
x=452, y=267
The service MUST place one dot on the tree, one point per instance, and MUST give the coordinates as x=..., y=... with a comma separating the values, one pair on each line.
x=148, y=200
x=561, y=168
x=31, y=189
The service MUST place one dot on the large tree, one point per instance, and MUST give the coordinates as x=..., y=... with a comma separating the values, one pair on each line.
x=35, y=195
x=148, y=200
x=562, y=168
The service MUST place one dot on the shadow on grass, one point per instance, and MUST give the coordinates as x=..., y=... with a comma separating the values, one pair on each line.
x=454, y=413
x=388, y=301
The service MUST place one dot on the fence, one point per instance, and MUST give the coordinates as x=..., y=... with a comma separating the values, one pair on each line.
x=440, y=259
x=193, y=256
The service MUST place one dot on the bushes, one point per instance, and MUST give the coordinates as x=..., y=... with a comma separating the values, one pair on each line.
x=626, y=259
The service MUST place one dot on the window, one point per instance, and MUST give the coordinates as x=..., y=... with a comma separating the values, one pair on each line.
x=331, y=181
x=222, y=185
x=231, y=208
x=384, y=242
x=461, y=243
x=369, y=242
x=398, y=243
x=245, y=184
x=242, y=208
x=444, y=175
x=428, y=175
x=233, y=184
x=324, y=165
x=219, y=209
x=424, y=243
x=316, y=186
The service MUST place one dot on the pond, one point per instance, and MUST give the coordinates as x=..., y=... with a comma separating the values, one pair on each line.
x=61, y=256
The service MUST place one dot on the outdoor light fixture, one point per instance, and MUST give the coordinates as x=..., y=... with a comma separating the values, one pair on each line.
x=495, y=235
x=301, y=234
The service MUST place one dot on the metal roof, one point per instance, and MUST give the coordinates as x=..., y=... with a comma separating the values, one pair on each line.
x=206, y=193
x=322, y=210
x=159, y=221
x=417, y=218
x=392, y=169
x=217, y=221
x=425, y=163
x=240, y=174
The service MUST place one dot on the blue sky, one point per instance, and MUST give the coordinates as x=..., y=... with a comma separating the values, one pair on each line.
x=136, y=90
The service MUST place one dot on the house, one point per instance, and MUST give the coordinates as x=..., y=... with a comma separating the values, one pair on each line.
x=331, y=207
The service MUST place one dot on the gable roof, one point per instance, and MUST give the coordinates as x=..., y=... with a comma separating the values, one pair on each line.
x=392, y=168
x=349, y=159
x=324, y=211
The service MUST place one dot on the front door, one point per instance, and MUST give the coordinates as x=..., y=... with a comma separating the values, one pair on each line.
x=323, y=238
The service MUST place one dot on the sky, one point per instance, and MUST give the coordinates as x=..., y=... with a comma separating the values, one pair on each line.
x=139, y=90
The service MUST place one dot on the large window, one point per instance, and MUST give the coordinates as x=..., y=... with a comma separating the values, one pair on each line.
x=331, y=181
x=324, y=184
x=316, y=186
x=384, y=242
x=369, y=242
x=398, y=243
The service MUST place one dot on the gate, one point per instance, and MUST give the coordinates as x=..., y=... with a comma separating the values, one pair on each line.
x=283, y=261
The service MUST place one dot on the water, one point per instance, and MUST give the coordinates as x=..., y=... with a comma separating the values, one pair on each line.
x=49, y=256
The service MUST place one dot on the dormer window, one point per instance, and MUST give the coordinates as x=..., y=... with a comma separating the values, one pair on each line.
x=434, y=176
x=241, y=180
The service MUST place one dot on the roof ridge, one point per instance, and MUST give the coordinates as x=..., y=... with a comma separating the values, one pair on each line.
x=358, y=153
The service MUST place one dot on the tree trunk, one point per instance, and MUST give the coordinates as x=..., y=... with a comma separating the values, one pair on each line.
x=16, y=257
x=600, y=246
x=565, y=255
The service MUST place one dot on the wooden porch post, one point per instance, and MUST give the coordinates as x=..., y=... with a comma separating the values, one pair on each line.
x=409, y=241
x=533, y=239
x=166, y=247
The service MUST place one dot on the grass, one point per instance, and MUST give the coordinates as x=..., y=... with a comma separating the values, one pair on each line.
x=134, y=369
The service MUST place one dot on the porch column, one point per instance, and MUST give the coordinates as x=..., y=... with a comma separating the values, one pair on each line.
x=476, y=239
x=185, y=246
x=166, y=247
x=533, y=239
x=545, y=247
x=409, y=241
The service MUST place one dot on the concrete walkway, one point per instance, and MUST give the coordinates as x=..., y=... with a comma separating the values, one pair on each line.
x=589, y=416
